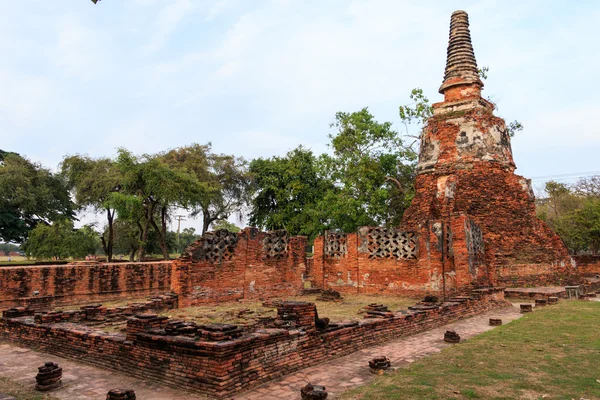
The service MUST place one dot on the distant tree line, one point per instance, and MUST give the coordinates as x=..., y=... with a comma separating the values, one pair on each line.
x=573, y=211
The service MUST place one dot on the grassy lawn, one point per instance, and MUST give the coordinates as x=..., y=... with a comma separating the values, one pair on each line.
x=553, y=353
x=20, y=392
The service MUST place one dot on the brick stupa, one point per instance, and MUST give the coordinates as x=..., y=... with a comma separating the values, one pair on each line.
x=466, y=186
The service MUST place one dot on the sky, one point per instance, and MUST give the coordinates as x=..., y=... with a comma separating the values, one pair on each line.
x=257, y=78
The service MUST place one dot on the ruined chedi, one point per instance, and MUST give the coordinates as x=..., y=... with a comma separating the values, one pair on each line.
x=466, y=169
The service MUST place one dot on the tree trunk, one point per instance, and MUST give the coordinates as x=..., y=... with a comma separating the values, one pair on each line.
x=162, y=233
x=111, y=235
x=149, y=211
x=206, y=220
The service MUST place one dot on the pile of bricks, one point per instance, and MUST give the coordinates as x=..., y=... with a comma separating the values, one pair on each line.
x=17, y=312
x=296, y=314
x=495, y=322
x=120, y=394
x=144, y=322
x=525, y=308
x=181, y=328
x=377, y=311
x=330, y=295
x=219, y=332
x=451, y=337
x=49, y=377
x=379, y=364
x=541, y=302
x=313, y=392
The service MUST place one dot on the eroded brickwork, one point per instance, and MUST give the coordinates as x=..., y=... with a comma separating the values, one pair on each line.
x=252, y=264
x=212, y=361
x=43, y=287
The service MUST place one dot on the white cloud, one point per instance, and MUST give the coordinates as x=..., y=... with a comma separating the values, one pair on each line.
x=167, y=21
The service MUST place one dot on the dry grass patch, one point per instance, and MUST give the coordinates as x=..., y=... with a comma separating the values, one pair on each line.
x=247, y=312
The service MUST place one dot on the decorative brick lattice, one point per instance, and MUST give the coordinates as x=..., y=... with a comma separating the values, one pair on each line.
x=475, y=245
x=391, y=243
x=213, y=247
x=474, y=238
x=275, y=244
x=336, y=244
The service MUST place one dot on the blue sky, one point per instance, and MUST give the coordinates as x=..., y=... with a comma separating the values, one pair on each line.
x=257, y=78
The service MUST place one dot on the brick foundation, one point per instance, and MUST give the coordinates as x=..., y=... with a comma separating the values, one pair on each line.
x=220, y=368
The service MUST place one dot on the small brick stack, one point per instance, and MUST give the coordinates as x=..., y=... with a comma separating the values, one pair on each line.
x=296, y=314
x=120, y=394
x=220, y=332
x=330, y=295
x=49, y=377
x=495, y=322
x=451, y=337
x=378, y=365
x=541, y=302
x=184, y=328
x=144, y=322
x=552, y=300
x=17, y=312
x=525, y=308
x=313, y=392
x=378, y=311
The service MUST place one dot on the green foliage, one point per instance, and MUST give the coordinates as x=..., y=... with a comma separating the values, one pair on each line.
x=372, y=170
x=221, y=224
x=417, y=112
x=95, y=184
x=60, y=240
x=219, y=184
x=7, y=248
x=289, y=193
x=367, y=180
x=574, y=213
x=29, y=195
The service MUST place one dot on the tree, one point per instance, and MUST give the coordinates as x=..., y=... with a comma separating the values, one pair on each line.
x=221, y=183
x=94, y=183
x=572, y=215
x=29, y=195
x=372, y=169
x=7, y=248
x=151, y=188
x=218, y=225
x=289, y=193
x=60, y=240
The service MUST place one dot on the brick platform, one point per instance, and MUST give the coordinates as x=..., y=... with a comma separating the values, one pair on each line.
x=222, y=367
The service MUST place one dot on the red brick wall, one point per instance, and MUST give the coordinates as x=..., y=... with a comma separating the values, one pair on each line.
x=246, y=272
x=225, y=367
x=72, y=283
x=588, y=265
x=357, y=271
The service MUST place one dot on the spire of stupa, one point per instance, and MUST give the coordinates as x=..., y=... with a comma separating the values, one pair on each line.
x=461, y=66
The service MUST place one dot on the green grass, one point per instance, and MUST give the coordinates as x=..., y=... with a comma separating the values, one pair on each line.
x=21, y=392
x=553, y=353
